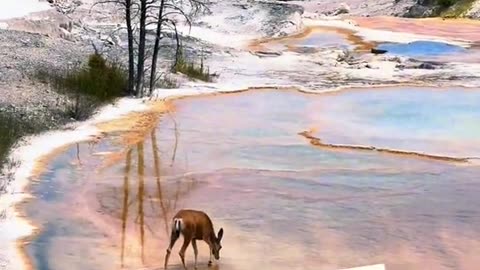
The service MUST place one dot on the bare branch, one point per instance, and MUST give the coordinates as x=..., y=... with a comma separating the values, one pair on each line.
x=118, y=2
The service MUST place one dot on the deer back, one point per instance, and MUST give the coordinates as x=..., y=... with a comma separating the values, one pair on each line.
x=195, y=224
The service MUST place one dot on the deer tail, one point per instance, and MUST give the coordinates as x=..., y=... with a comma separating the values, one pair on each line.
x=177, y=227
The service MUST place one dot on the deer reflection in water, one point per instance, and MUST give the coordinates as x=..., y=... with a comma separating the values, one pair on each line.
x=156, y=199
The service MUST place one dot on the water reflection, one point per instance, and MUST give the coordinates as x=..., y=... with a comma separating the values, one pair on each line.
x=141, y=194
x=126, y=188
x=155, y=204
x=165, y=208
x=132, y=214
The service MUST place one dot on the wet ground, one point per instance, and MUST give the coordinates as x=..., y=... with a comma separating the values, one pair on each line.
x=315, y=38
x=283, y=203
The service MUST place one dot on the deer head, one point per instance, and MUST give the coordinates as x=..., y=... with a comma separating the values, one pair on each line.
x=216, y=244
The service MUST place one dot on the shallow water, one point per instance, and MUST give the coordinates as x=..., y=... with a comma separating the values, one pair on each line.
x=422, y=49
x=283, y=203
x=440, y=122
x=318, y=39
x=314, y=39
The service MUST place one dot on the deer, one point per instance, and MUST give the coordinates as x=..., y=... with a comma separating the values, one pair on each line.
x=194, y=225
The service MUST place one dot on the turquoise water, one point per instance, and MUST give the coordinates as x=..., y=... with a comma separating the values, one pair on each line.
x=441, y=122
x=421, y=48
x=283, y=203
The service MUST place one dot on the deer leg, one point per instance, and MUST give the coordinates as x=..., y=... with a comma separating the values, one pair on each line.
x=210, y=260
x=211, y=253
x=195, y=251
x=173, y=238
x=186, y=242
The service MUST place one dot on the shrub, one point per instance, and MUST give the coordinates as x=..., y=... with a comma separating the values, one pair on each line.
x=446, y=3
x=99, y=79
x=189, y=68
x=87, y=87
x=12, y=127
x=80, y=107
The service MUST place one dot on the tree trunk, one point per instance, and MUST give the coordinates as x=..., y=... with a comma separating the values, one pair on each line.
x=156, y=47
x=131, y=55
x=141, y=49
x=178, y=48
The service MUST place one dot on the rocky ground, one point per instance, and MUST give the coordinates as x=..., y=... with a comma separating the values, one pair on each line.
x=45, y=41
x=357, y=7
x=22, y=54
x=474, y=12
x=400, y=8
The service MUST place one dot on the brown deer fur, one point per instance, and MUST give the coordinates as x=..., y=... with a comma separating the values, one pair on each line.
x=194, y=225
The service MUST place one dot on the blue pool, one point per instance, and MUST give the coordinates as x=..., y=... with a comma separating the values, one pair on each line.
x=421, y=48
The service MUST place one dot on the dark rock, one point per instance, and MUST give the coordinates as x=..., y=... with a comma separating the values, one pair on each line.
x=242, y=6
x=267, y=53
x=426, y=65
x=378, y=51
x=342, y=9
x=423, y=8
x=415, y=64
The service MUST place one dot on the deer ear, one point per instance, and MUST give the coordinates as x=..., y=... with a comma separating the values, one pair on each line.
x=220, y=234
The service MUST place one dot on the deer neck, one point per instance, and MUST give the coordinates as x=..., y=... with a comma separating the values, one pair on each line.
x=212, y=237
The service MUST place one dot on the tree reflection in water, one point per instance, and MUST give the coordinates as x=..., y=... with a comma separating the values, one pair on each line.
x=157, y=198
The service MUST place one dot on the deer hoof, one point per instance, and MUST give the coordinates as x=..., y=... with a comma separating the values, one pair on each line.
x=209, y=263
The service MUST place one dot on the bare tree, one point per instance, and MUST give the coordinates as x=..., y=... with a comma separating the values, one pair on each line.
x=165, y=22
x=127, y=7
x=141, y=47
x=131, y=51
x=139, y=14
x=156, y=47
